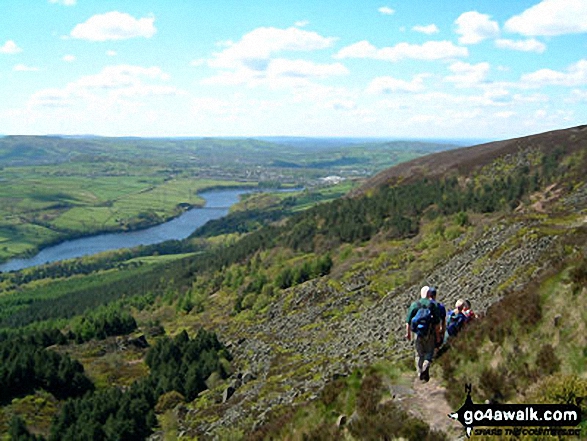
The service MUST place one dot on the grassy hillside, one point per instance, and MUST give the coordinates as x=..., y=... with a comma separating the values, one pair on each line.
x=309, y=310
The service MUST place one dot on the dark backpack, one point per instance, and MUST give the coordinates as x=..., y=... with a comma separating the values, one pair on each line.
x=455, y=322
x=422, y=321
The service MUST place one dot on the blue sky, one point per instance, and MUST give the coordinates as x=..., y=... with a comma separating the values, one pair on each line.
x=417, y=69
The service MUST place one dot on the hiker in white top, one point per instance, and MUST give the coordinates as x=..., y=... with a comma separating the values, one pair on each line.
x=423, y=319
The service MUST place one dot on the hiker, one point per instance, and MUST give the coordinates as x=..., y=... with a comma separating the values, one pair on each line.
x=423, y=320
x=468, y=312
x=441, y=313
x=455, y=320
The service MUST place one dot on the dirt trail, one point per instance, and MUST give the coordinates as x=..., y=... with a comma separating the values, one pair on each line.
x=426, y=401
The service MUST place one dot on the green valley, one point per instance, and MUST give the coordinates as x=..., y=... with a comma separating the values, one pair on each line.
x=55, y=188
x=285, y=319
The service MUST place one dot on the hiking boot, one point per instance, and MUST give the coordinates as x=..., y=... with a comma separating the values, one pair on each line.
x=425, y=374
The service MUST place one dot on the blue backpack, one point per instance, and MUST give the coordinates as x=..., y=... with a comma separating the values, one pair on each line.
x=455, y=322
x=422, y=321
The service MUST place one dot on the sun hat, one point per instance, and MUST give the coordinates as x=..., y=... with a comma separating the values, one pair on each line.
x=424, y=292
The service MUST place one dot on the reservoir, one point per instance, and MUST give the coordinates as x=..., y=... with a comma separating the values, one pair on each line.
x=217, y=204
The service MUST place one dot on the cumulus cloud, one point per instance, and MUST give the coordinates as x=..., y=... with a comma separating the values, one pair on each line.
x=386, y=10
x=428, y=30
x=10, y=47
x=387, y=84
x=505, y=114
x=25, y=68
x=256, y=48
x=108, y=86
x=278, y=72
x=529, y=45
x=578, y=95
x=51, y=98
x=465, y=74
x=114, y=26
x=303, y=68
x=207, y=105
x=254, y=59
x=121, y=76
x=64, y=2
x=474, y=27
x=431, y=50
x=575, y=75
x=550, y=18
x=341, y=104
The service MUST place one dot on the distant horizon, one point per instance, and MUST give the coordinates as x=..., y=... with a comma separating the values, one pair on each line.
x=352, y=139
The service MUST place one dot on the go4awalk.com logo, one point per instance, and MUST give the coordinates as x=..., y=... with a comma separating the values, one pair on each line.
x=514, y=419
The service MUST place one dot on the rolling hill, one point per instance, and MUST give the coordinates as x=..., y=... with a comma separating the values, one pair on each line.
x=309, y=311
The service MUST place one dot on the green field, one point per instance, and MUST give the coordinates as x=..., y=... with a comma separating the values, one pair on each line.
x=38, y=208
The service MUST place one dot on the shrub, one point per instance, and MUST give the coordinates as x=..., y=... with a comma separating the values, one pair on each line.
x=168, y=401
x=369, y=395
x=547, y=362
x=578, y=276
x=563, y=389
x=331, y=391
x=495, y=384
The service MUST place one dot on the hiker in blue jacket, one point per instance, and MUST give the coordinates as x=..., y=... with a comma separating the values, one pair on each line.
x=423, y=319
x=455, y=320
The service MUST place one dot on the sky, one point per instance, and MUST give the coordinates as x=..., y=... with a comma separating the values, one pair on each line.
x=482, y=69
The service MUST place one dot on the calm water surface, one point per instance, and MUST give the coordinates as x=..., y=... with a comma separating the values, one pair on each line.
x=217, y=204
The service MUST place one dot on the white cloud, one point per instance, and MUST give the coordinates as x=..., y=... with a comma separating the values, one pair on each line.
x=578, y=96
x=253, y=60
x=10, y=47
x=550, y=18
x=52, y=98
x=506, y=114
x=206, y=105
x=341, y=104
x=69, y=58
x=255, y=49
x=111, y=53
x=319, y=93
x=489, y=98
x=112, y=77
x=386, y=85
x=362, y=49
x=110, y=86
x=474, y=27
x=531, y=98
x=428, y=30
x=301, y=23
x=114, y=26
x=278, y=73
x=25, y=68
x=575, y=75
x=63, y=2
x=529, y=45
x=431, y=50
x=386, y=10
x=303, y=68
x=466, y=74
